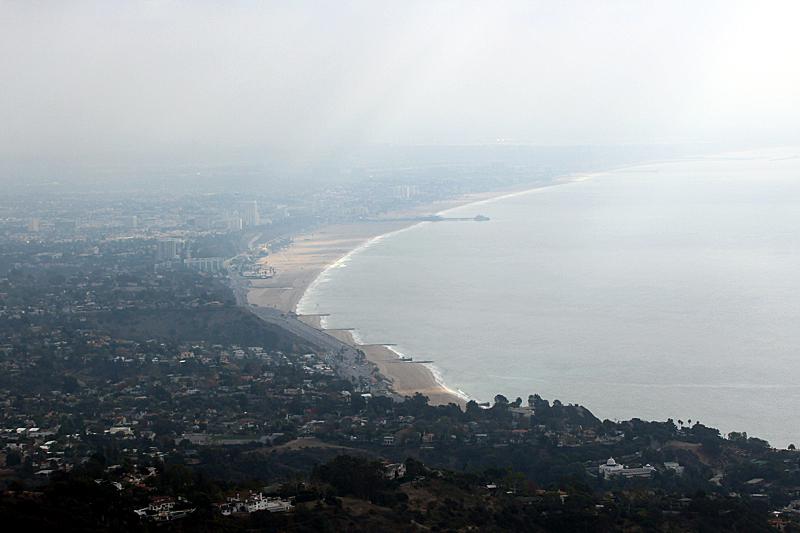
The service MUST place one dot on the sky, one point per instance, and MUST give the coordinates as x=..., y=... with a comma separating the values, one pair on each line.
x=82, y=79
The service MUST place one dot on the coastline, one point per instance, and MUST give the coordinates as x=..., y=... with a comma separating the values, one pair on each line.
x=311, y=254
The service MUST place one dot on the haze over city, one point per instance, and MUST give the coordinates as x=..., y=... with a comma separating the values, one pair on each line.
x=88, y=81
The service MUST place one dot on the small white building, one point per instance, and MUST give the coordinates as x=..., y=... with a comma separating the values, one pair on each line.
x=394, y=470
x=610, y=468
x=254, y=503
x=678, y=469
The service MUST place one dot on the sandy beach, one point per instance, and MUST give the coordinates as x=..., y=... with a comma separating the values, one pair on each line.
x=299, y=265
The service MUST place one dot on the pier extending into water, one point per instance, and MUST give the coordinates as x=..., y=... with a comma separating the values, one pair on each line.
x=378, y=344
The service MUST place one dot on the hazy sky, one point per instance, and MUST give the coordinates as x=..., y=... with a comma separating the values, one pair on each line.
x=102, y=77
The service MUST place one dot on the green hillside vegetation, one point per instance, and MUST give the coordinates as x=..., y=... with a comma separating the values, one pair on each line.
x=352, y=494
x=221, y=325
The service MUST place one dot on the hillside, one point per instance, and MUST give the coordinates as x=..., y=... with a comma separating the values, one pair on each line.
x=221, y=325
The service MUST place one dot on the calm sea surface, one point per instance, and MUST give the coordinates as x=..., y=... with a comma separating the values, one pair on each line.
x=665, y=291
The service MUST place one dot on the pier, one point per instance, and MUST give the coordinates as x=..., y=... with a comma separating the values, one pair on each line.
x=378, y=344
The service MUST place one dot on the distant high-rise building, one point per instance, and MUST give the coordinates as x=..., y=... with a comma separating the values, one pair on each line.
x=149, y=222
x=235, y=223
x=206, y=263
x=251, y=214
x=129, y=222
x=68, y=225
x=404, y=191
x=166, y=249
x=202, y=222
x=33, y=224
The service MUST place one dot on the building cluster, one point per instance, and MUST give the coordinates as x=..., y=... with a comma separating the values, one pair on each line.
x=251, y=503
x=39, y=310
x=293, y=204
x=404, y=191
x=68, y=217
x=612, y=469
x=214, y=391
x=165, y=509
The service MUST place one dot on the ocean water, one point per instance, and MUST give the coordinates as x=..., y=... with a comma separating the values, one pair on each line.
x=669, y=290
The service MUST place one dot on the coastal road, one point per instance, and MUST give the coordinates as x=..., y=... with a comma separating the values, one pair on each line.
x=301, y=329
x=343, y=358
x=284, y=320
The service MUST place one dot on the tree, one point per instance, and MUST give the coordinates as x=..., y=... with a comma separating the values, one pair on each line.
x=414, y=468
x=512, y=480
x=352, y=475
x=162, y=426
x=419, y=401
x=500, y=400
x=71, y=384
x=357, y=402
x=474, y=411
x=93, y=468
x=13, y=459
x=177, y=479
x=711, y=446
x=738, y=438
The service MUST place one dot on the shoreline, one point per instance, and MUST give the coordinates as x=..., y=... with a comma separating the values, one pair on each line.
x=300, y=265
x=578, y=177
